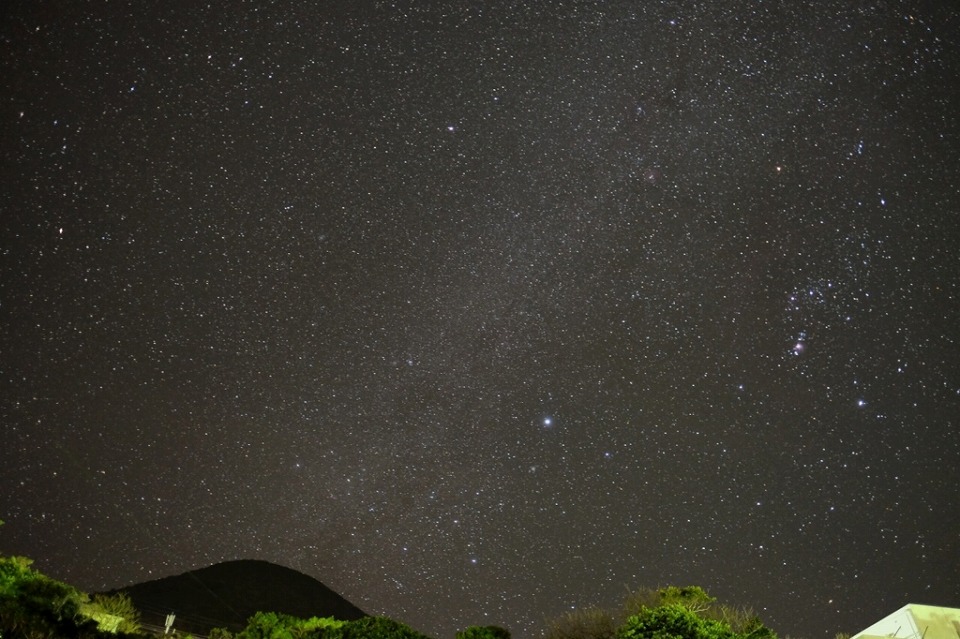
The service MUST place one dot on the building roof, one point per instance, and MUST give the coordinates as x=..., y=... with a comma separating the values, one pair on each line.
x=916, y=621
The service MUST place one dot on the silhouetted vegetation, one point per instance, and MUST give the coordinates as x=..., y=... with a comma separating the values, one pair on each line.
x=34, y=606
x=590, y=623
x=117, y=610
x=270, y=625
x=484, y=632
x=662, y=613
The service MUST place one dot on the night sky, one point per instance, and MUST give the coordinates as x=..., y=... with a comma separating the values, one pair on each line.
x=480, y=312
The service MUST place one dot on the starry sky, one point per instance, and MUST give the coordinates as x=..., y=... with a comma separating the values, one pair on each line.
x=481, y=312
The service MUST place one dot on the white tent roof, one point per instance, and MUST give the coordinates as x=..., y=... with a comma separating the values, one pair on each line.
x=915, y=621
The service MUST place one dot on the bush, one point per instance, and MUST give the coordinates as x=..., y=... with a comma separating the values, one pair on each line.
x=591, y=623
x=272, y=625
x=33, y=606
x=673, y=621
x=379, y=628
x=662, y=613
x=118, y=605
x=693, y=598
x=322, y=628
x=269, y=625
x=484, y=632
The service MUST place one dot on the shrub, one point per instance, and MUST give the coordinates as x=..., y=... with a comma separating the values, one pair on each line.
x=32, y=605
x=320, y=628
x=662, y=613
x=673, y=621
x=269, y=625
x=484, y=632
x=272, y=625
x=591, y=623
x=379, y=628
x=694, y=598
x=118, y=605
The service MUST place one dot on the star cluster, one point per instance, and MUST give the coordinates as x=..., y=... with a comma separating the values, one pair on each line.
x=482, y=312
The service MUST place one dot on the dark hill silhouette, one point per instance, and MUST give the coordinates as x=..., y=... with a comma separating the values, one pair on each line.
x=225, y=595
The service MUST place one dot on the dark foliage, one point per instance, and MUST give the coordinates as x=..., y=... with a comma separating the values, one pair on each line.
x=34, y=606
x=664, y=613
x=227, y=595
x=484, y=632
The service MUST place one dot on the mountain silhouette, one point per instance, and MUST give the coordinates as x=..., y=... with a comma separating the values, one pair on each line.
x=225, y=595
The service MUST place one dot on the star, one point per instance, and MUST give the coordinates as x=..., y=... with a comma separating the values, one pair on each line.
x=464, y=283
